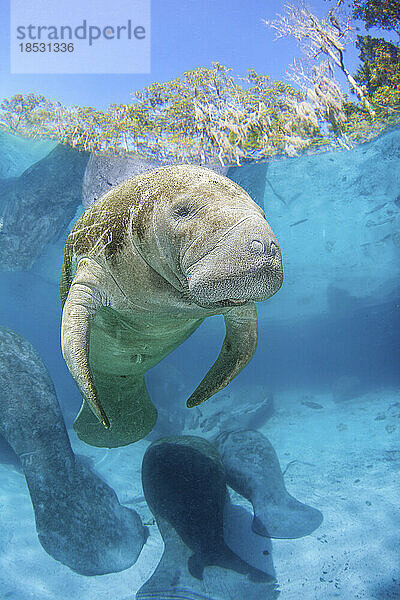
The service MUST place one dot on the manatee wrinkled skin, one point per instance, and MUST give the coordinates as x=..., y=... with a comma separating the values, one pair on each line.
x=79, y=520
x=142, y=269
x=252, y=470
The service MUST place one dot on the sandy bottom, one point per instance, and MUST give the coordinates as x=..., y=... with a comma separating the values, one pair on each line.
x=341, y=458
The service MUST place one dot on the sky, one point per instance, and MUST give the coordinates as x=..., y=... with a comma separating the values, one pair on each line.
x=184, y=34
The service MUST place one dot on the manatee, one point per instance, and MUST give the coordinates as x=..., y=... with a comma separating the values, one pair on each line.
x=253, y=470
x=37, y=207
x=184, y=484
x=251, y=177
x=103, y=172
x=241, y=539
x=142, y=269
x=79, y=520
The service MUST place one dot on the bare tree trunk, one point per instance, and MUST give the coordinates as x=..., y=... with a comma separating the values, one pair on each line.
x=359, y=92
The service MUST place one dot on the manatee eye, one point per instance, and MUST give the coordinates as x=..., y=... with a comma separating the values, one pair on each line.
x=182, y=211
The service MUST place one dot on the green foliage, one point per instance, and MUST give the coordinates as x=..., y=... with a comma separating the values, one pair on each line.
x=378, y=13
x=360, y=127
x=380, y=70
x=206, y=114
x=209, y=114
x=24, y=112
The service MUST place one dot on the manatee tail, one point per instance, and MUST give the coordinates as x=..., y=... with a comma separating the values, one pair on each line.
x=130, y=411
x=258, y=527
x=196, y=566
x=276, y=513
x=289, y=519
x=226, y=559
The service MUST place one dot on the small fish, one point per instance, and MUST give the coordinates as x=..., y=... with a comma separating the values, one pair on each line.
x=387, y=237
x=376, y=208
x=310, y=404
x=374, y=224
x=298, y=222
x=293, y=198
x=384, y=239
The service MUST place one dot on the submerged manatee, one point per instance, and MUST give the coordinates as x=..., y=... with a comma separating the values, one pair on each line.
x=185, y=487
x=252, y=470
x=79, y=520
x=142, y=269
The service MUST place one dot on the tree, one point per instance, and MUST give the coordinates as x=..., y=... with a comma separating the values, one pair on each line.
x=378, y=13
x=379, y=71
x=206, y=114
x=319, y=36
x=380, y=63
x=24, y=111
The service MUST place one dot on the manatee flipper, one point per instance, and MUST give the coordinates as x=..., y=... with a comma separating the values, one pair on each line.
x=116, y=409
x=81, y=305
x=253, y=471
x=130, y=411
x=184, y=485
x=238, y=348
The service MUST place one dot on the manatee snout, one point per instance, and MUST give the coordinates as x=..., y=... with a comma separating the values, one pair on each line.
x=245, y=265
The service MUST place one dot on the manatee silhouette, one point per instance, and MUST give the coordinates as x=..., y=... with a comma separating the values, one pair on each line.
x=79, y=520
x=184, y=485
x=252, y=469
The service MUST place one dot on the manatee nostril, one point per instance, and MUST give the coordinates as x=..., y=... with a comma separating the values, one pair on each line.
x=260, y=247
x=257, y=246
x=273, y=248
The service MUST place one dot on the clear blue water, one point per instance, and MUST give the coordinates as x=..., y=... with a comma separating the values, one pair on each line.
x=330, y=337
